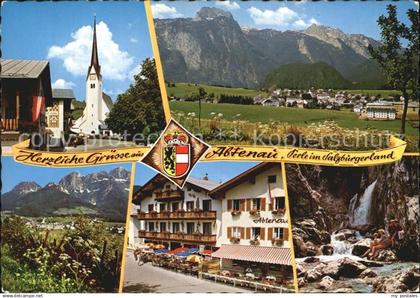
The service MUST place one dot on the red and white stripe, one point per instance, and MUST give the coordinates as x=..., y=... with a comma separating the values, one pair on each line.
x=182, y=159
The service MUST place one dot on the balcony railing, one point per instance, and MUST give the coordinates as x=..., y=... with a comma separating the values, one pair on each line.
x=183, y=237
x=196, y=214
x=169, y=195
x=9, y=124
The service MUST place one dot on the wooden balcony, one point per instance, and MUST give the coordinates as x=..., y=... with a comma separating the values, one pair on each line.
x=197, y=214
x=168, y=195
x=9, y=124
x=181, y=237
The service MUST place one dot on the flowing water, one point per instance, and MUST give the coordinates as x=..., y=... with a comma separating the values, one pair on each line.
x=360, y=215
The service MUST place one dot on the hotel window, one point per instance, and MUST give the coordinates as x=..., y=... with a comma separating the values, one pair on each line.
x=162, y=207
x=278, y=233
x=279, y=203
x=236, y=232
x=175, y=227
x=190, y=205
x=175, y=206
x=162, y=226
x=256, y=233
x=256, y=204
x=272, y=179
x=207, y=205
x=151, y=226
x=190, y=227
x=150, y=207
x=236, y=205
x=207, y=228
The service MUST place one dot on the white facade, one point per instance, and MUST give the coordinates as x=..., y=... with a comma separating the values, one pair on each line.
x=244, y=224
x=381, y=113
x=96, y=110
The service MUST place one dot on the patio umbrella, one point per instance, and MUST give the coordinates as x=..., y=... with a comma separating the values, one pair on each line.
x=206, y=252
x=159, y=246
x=194, y=259
x=161, y=251
x=178, y=250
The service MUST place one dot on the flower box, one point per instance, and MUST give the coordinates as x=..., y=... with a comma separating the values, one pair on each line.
x=277, y=241
x=234, y=240
x=254, y=242
x=235, y=212
x=279, y=211
x=254, y=212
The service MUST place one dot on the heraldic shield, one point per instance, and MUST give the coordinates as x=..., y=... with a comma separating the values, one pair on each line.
x=176, y=155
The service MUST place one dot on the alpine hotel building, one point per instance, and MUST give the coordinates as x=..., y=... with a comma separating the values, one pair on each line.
x=243, y=221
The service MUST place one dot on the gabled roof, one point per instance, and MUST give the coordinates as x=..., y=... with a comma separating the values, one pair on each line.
x=107, y=100
x=243, y=177
x=63, y=93
x=22, y=69
x=159, y=180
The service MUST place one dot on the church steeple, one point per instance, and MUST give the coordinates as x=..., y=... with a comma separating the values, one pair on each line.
x=94, y=60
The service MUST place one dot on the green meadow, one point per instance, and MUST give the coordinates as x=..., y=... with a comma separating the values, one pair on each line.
x=292, y=116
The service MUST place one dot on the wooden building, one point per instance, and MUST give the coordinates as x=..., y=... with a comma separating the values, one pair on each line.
x=26, y=91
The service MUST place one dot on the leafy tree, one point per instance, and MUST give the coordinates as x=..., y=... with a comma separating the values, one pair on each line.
x=139, y=109
x=201, y=94
x=399, y=64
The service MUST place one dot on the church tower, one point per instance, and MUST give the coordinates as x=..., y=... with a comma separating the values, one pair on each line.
x=97, y=106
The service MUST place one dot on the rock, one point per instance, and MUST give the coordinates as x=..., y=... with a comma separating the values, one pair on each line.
x=350, y=268
x=301, y=282
x=325, y=237
x=311, y=260
x=331, y=269
x=299, y=246
x=406, y=281
x=367, y=273
x=326, y=283
x=371, y=263
x=327, y=250
x=312, y=249
x=386, y=255
x=313, y=275
x=344, y=234
x=361, y=247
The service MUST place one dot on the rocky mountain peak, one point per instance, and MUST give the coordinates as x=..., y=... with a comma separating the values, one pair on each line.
x=211, y=13
x=25, y=187
x=120, y=173
x=71, y=183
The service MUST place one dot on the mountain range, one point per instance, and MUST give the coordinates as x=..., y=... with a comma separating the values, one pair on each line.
x=102, y=194
x=212, y=48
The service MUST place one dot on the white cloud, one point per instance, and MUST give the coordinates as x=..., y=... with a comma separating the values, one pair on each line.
x=133, y=40
x=229, y=5
x=282, y=18
x=62, y=84
x=115, y=63
x=163, y=11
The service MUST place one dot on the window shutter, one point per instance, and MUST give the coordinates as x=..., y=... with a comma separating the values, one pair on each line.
x=242, y=233
x=270, y=234
x=285, y=234
x=248, y=204
x=242, y=205
x=248, y=233
x=262, y=233
x=262, y=204
x=229, y=205
x=229, y=232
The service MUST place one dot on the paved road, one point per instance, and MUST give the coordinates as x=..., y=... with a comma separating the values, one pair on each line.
x=149, y=279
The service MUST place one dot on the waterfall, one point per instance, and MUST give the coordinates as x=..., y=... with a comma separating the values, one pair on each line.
x=360, y=215
x=343, y=247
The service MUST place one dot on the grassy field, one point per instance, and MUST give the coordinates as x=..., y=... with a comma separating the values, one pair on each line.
x=185, y=89
x=293, y=116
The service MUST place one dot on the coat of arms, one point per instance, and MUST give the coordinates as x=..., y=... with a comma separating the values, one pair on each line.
x=175, y=153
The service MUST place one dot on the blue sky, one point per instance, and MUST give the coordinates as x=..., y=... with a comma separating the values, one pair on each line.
x=55, y=32
x=217, y=171
x=349, y=16
x=13, y=173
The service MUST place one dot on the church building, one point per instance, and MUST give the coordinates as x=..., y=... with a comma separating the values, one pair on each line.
x=98, y=104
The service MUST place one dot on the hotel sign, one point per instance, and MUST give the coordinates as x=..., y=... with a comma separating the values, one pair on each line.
x=267, y=220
